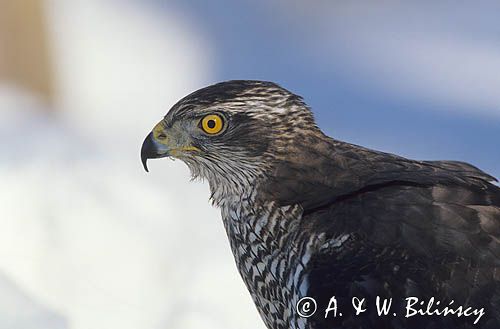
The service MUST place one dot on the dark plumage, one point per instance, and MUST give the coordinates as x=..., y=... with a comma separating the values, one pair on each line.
x=307, y=215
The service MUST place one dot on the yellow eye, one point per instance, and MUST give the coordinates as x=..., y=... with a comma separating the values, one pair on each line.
x=212, y=124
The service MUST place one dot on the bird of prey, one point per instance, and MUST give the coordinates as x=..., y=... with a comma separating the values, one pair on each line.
x=309, y=216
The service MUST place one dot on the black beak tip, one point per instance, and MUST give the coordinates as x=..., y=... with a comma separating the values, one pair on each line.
x=147, y=151
x=145, y=164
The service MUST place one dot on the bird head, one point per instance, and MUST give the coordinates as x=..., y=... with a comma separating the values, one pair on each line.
x=231, y=133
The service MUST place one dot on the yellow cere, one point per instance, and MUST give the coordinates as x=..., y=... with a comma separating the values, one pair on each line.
x=158, y=130
x=212, y=124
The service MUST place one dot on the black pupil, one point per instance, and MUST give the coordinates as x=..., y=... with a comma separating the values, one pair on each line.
x=211, y=124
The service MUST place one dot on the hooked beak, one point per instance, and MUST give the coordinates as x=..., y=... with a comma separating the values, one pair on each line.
x=151, y=149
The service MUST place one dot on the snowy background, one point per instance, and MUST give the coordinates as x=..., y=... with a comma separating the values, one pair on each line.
x=88, y=240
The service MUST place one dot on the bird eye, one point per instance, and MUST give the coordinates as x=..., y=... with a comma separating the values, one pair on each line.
x=212, y=124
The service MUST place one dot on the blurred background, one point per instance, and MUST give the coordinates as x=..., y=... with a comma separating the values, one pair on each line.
x=88, y=240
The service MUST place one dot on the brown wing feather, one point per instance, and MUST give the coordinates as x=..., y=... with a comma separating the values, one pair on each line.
x=315, y=170
x=408, y=241
x=436, y=222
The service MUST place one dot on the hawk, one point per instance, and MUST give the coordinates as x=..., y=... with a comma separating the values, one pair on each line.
x=308, y=216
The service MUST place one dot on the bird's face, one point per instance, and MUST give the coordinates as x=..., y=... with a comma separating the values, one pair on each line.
x=228, y=133
x=186, y=136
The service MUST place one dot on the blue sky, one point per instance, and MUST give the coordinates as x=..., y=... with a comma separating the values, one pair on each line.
x=319, y=52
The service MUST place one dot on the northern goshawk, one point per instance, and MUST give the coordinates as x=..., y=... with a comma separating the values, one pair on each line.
x=309, y=216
